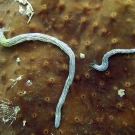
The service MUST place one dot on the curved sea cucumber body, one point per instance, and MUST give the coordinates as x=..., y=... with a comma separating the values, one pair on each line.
x=105, y=59
x=46, y=38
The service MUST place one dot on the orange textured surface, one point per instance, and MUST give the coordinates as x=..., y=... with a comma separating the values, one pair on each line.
x=92, y=106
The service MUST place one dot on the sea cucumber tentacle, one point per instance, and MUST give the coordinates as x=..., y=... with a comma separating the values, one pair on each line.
x=105, y=58
x=46, y=38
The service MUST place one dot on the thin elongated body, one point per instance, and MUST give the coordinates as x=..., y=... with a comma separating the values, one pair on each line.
x=105, y=59
x=46, y=38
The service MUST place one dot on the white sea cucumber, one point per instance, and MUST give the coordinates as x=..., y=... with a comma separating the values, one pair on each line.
x=105, y=58
x=46, y=38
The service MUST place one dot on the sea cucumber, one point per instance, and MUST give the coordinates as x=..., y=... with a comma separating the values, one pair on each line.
x=105, y=58
x=46, y=38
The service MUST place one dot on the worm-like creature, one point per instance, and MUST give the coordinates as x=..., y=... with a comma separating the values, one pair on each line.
x=46, y=38
x=105, y=58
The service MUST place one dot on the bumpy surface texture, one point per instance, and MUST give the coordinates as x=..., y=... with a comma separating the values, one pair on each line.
x=92, y=106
